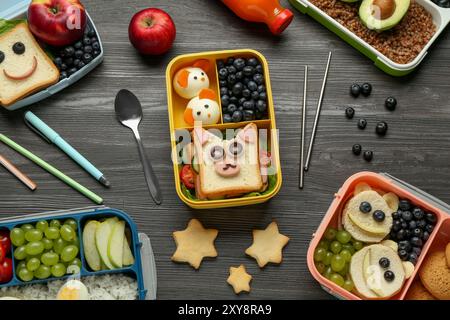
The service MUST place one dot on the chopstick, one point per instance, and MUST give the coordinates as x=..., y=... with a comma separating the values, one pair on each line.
x=302, y=146
x=17, y=173
x=319, y=108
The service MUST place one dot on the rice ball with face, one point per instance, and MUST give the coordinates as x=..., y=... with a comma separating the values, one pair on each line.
x=203, y=108
x=189, y=81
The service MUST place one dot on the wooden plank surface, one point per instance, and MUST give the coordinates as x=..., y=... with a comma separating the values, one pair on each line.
x=415, y=149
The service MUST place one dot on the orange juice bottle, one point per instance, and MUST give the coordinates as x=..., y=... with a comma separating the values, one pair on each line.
x=269, y=12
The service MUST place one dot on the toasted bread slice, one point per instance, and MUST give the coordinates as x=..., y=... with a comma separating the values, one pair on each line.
x=214, y=183
x=24, y=73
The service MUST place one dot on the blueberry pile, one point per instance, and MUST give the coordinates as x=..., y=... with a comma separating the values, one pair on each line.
x=442, y=3
x=242, y=90
x=411, y=228
x=74, y=57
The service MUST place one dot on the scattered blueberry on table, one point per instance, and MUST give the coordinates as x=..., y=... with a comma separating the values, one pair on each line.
x=381, y=128
x=350, y=112
x=390, y=103
x=362, y=124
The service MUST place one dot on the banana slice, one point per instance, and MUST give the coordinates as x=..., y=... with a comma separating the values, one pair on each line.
x=360, y=187
x=391, y=200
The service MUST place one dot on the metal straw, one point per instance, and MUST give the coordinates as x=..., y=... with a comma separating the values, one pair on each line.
x=302, y=147
x=319, y=107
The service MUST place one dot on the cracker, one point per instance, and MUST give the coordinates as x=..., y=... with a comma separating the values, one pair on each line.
x=239, y=279
x=418, y=292
x=267, y=245
x=194, y=243
x=435, y=275
x=447, y=254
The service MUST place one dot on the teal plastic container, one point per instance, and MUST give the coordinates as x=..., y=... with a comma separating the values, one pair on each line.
x=441, y=18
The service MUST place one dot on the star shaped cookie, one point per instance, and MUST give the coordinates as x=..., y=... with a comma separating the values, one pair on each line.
x=239, y=279
x=194, y=243
x=267, y=245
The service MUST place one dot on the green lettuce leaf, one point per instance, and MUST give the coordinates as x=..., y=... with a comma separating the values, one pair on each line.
x=6, y=25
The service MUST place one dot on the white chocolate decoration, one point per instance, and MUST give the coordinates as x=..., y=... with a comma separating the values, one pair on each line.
x=189, y=81
x=203, y=108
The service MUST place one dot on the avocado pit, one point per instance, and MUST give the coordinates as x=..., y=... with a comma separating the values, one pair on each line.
x=383, y=9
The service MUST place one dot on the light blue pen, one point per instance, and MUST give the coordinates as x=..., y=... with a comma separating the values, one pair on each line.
x=39, y=126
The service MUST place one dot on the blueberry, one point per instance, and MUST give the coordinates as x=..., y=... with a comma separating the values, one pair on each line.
x=416, y=242
x=239, y=75
x=258, y=78
x=231, y=70
x=231, y=79
x=431, y=218
x=68, y=61
x=223, y=73
x=404, y=245
x=223, y=83
x=249, y=105
x=429, y=228
x=241, y=101
x=407, y=216
x=247, y=80
x=239, y=63
x=356, y=149
x=404, y=224
x=362, y=123
x=403, y=255
x=396, y=225
x=234, y=100
x=246, y=93
x=96, y=46
x=263, y=96
x=237, y=116
x=227, y=118
x=94, y=39
x=76, y=62
x=249, y=115
x=408, y=233
x=261, y=105
x=355, y=90
x=418, y=213
x=396, y=215
x=412, y=224
x=62, y=75
x=87, y=57
x=365, y=207
x=412, y=257
x=88, y=49
x=91, y=33
x=421, y=224
x=259, y=69
x=425, y=236
x=58, y=61
x=225, y=100
x=259, y=115
x=232, y=108
x=69, y=51
x=384, y=262
x=78, y=54
x=252, y=86
x=350, y=112
x=389, y=276
x=63, y=67
x=230, y=61
x=261, y=88
x=417, y=233
x=72, y=71
x=255, y=95
x=237, y=88
x=404, y=205
x=253, y=62
x=78, y=45
x=81, y=65
x=87, y=41
x=401, y=234
x=381, y=128
x=366, y=89
x=220, y=64
x=378, y=216
x=248, y=71
x=416, y=250
x=368, y=155
x=223, y=91
x=390, y=103
x=2, y=56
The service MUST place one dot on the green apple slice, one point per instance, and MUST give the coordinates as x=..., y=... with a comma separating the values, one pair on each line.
x=128, y=258
x=89, y=246
x=115, y=245
x=102, y=236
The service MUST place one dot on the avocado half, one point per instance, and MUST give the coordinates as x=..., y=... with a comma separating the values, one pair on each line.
x=381, y=15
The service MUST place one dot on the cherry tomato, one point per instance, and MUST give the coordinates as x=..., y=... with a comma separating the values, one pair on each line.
x=5, y=242
x=2, y=254
x=6, y=270
x=187, y=176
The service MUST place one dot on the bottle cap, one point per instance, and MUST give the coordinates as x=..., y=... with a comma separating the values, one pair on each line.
x=281, y=22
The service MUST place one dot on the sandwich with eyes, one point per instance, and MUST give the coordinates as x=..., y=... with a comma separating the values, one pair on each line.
x=24, y=67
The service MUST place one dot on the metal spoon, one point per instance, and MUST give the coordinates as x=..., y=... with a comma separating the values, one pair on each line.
x=129, y=113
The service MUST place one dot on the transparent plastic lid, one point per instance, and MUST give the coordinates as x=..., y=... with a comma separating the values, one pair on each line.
x=12, y=8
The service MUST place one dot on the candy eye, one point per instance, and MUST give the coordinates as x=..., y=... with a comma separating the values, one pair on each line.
x=203, y=73
x=217, y=153
x=2, y=56
x=195, y=78
x=206, y=106
x=235, y=148
x=18, y=48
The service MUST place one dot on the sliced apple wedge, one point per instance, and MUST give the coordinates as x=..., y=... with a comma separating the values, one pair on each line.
x=89, y=246
x=115, y=244
x=102, y=236
x=128, y=258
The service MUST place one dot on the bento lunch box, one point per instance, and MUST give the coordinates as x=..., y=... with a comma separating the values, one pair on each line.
x=176, y=106
x=441, y=18
x=143, y=269
x=17, y=9
x=387, y=183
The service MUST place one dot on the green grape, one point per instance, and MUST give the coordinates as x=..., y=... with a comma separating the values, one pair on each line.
x=328, y=272
x=343, y=236
x=27, y=227
x=33, y=264
x=17, y=237
x=50, y=259
x=69, y=253
x=319, y=254
x=327, y=260
x=52, y=233
x=344, y=270
x=75, y=242
x=330, y=234
x=347, y=255
x=33, y=235
x=67, y=233
x=55, y=223
x=42, y=225
x=338, y=279
x=34, y=248
x=357, y=245
x=43, y=272
x=348, y=247
x=324, y=244
x=21, y=264
x=75, y=262
x=337, y=263
x=48, y=244
x=20, y=253
x=348, y=285
x=320, y=267
x=58, y=270
x=25, y=275
x=71, y=223
x=58, y=245
x=336, y=247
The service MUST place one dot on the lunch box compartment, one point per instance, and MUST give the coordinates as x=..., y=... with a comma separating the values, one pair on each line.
x=386, y=183
x=177, y=105
x=17, y=9
x=143, y=270
x=441, y=18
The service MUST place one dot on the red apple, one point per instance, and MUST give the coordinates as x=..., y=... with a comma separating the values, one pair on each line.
x=152, y=31
x=57, y=22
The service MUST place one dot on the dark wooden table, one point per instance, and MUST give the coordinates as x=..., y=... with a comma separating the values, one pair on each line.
x=415, y=149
